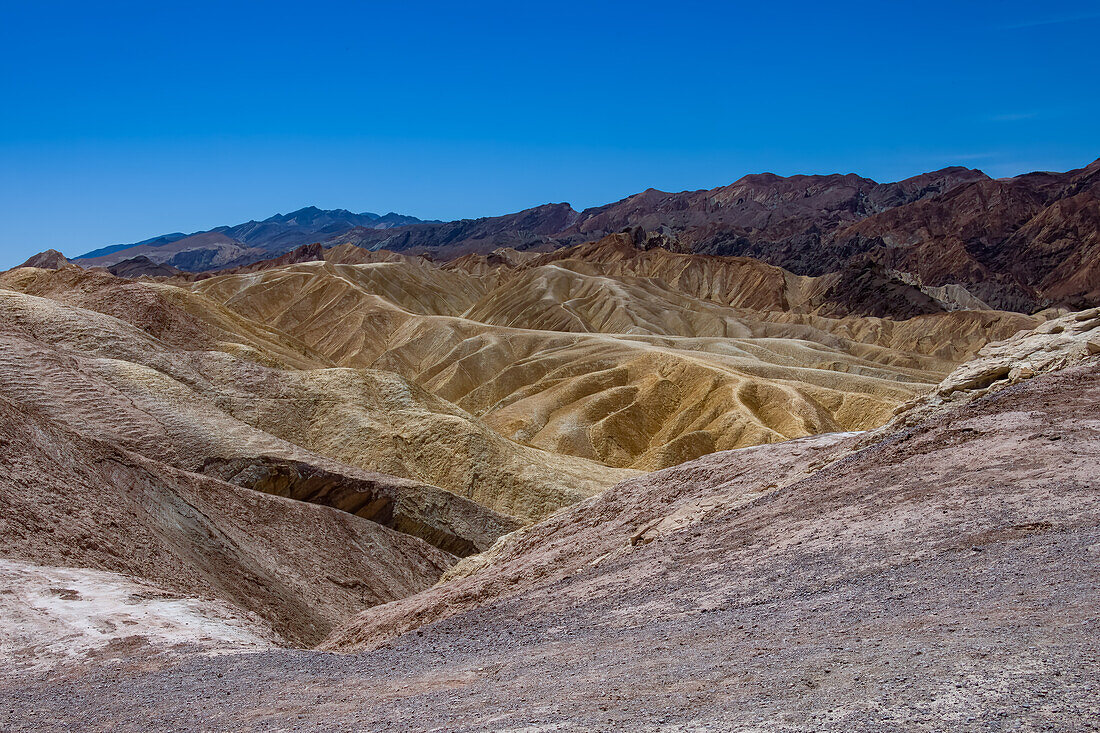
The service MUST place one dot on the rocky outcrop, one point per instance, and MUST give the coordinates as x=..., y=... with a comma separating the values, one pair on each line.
x=459, y=527
x=50, y=259
x=1055, y=345
x=142, y=266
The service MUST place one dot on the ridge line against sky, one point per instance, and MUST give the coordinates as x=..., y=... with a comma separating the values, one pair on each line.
x=182, y=118
x=436, y=220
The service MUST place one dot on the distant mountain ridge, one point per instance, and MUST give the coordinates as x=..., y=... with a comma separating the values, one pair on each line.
x=759, y=203
x=1019, y=243
x=763, y=208
x=112, y=248
x=228, y=246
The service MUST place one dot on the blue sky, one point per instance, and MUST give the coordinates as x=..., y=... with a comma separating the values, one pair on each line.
x=120, y=121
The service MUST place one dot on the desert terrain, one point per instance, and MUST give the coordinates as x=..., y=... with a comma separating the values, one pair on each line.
x=752, y=458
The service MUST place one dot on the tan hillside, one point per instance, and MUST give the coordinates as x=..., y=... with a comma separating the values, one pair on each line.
x=740, y=282
x=205, y=412
x=551, y=379
x=74, y=499
x=624, y=370
x=189, y=407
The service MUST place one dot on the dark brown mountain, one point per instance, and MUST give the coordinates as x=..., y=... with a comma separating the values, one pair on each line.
x=1020, y=243
x=756, y=216
x=763, y=215
x=538, y=227
x=142, y=265
x=1017, y=243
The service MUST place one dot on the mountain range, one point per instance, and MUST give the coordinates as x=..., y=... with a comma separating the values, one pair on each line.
x=1022, y=243
x=227, y=246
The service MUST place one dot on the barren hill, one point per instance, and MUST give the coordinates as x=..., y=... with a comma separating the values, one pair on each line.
x=198, y=395
x=1013, y=242
x=937, y=573
x=443, y=462
x=77, y=501
x=631, y=370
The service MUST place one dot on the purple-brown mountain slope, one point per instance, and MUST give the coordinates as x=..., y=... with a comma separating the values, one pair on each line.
x=541, y=226
x=1015, y=242
x=765, y=206
x=1020, y=243
x=50, y=259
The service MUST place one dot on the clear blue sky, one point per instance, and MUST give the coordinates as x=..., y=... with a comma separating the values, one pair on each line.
x=120, y=121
